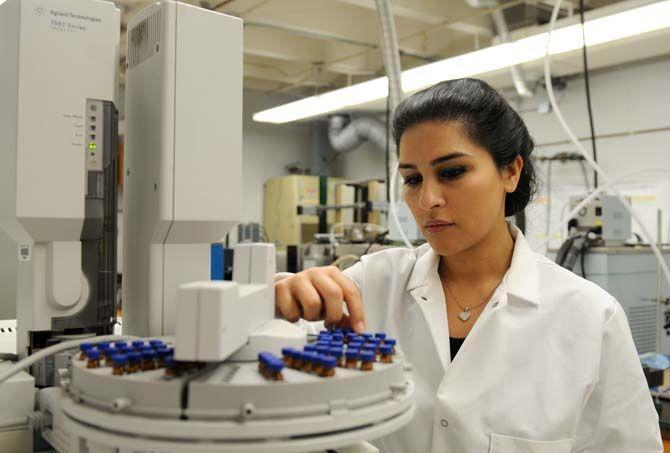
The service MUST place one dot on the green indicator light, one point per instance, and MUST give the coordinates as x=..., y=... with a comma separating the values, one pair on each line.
x=91, y=145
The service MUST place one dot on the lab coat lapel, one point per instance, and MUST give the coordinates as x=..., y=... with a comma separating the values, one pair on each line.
x=425, y=287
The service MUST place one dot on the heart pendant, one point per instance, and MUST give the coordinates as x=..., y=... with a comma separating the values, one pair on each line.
x=464, y=316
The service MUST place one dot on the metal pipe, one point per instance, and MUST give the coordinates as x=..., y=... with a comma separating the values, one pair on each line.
x=516, y=71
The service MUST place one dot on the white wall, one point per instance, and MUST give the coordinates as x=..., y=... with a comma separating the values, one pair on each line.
x=267, y=149
x=631, y=108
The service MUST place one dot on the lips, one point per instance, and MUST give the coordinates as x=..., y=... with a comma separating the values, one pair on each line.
x=437, y=223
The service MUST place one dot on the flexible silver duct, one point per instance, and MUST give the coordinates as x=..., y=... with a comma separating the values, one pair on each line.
x=516, y=71
x=346, y=136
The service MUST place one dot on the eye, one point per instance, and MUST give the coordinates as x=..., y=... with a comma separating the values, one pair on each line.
x=452, y=173
x=412, y=180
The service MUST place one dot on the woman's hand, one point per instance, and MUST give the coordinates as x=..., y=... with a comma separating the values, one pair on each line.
x=317, y=293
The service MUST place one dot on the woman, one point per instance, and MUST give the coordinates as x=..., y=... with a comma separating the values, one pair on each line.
x=510, y=352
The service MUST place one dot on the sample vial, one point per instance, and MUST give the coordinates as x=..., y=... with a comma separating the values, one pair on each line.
x=287, y=353
x=84, y=347
x=336, y=344
x=134, y=359
x=156, y=344
x=352, y=358
x=274, y=368
x=298, y=360
x=310, y=348
x=391, y=342
x=93, y=361
x=380, y=335
x=161, y=354
x=119, y=362
x=107, y=351
x=386, y=353
x=355, y=344
x=327, y=366
x=137, y=344
x=120, y=344
x=367, y=359
x=317, y=364
x=323, y=349
x=148, y=360
x=308, y=361
x=367, y=336
x=338, y=355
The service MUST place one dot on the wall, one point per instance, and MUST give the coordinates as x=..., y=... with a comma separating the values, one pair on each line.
x=267, y=149
x=631, y=108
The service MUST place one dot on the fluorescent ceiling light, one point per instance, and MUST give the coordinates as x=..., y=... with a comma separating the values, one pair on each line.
x=606, y=29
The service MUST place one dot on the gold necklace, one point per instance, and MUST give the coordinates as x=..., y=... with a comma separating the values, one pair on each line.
x=465, y=311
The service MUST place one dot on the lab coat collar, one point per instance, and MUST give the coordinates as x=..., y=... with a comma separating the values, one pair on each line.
x=520, y=281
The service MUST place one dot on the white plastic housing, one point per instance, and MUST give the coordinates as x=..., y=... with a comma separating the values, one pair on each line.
x=55, y=56
x=183, y=154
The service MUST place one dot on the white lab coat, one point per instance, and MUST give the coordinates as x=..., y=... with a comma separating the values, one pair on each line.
x=549, y=366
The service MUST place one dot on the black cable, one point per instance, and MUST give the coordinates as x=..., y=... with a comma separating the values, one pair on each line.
x=581, y=259
x=375, y=240
x=588, y=93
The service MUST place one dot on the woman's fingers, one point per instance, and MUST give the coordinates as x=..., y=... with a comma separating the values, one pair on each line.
x=332, y=296
x=308, y=298
x=352, y=297
x=285, y=303
x=319, y=293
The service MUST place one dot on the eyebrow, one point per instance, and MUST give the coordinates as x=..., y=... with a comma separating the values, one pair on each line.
x=437, y=161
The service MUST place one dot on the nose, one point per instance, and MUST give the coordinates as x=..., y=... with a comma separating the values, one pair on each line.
x=431, y=196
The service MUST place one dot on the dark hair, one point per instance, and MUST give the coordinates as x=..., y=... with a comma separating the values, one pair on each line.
x=487, y=119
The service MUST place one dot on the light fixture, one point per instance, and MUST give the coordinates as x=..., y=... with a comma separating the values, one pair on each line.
x=602, y=30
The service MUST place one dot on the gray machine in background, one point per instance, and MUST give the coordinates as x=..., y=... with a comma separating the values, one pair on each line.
x=631, y=275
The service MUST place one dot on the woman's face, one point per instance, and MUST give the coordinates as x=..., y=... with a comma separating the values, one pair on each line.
x=452, y=185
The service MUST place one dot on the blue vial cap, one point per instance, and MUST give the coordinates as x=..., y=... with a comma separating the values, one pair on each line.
x=138, y=343
x=352, y=353
x=351, y=335
x=170, y=351
x=144, y=349
x=386, y=349
x=162, y=352
x=287, y=352
x=323, y=349
x=375, y=341
x=313, y=357
x=381, y=335
x=324, y=340
x=103, y=344
x=119, y=359
x=155, y=343
x=356, y=344
x=390, y=341
x=370, y=347
x=336, y=344
x=335, y=352
x=148, y=354
x=169, y=361
x=124, y=349
x=265, y=357
x=347, y=330
x=367, y=335
x=93, y=354
x=338, y=336
x=105, y=347
x=134, y=356
x=85, y=346
x=328, y=361
x=367, y=356
x=119, y=344
x=324, y=332
x=310, y=348
x=275, y=365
